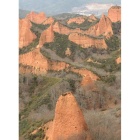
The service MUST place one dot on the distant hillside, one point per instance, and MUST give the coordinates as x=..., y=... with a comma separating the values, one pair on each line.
x=23, y=13
x=66, y=16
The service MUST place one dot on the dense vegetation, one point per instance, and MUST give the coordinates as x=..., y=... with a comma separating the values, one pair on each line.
x=116, y=26
x=113, y=43
x=64, y=42
x=83, y=26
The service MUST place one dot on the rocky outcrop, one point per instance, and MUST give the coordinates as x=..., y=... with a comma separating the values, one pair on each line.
x=103, y=27
x=118, y=60
x=61, y=29
x=50, y=20
x=86, y=41
x=93, y=17
x=84, y=72
x=68, y=52
x=69, y=120
x=77, y=20
x=37, y=18
x=38, y=62
x=114, y=13
x=46, y=36
x=25, y=35
x=88, y=83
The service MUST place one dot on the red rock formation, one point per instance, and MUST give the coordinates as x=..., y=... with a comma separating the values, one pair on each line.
x=46, y=36
x=93, y=17
x=114, y=13
x=50, y=20
x=104, y=27
x=86, y=80
x=25, y=35
x=77, y=20
x=38, y=62
x=68, y=119
x=68, y=52
x=118, y=60
x=86, y=41
x=61, y=29
x=85, y=72
x=88, y=83
x=37, y=18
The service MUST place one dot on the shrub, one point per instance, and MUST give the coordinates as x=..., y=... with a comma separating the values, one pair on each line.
x=113, y=43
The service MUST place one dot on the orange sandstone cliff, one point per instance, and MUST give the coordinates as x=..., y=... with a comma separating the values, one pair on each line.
x=61, y=29
x=85, y=72
x=103, y=27
x=114, y=13
x=77, y=20
x=50, y=20
x=88, y=83
x=86, y=41
x=25, y=35
x=69, y=120
x=46, y=36
x=37, y=18
x=37, y=61
x=118, y=60
x=93, y=17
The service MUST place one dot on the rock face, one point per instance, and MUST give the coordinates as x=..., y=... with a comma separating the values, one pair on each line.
x=85, y=72
x=50, y=20
x=77, y=20
x=87, y=83
x=104, y=27
x=68, y=52
x=25, y=35
x=69, y=119
x=61, y=29
x=86, y=41
x=37, y=18
x=118, y=60
x=38, y=62
x=93, y=17
x=46, y=36
x=114, y=13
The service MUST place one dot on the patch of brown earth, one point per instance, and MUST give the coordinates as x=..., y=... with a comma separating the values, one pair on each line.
x=77, y=20
x=86, y=41
x=46, y=36
x=50, y=20
x=68, y=52
x=114, y=13
x=118, y=60
x=69, y=119
x=103, y=27
x=25, y=35
x=37, y=18
x=38, y=61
